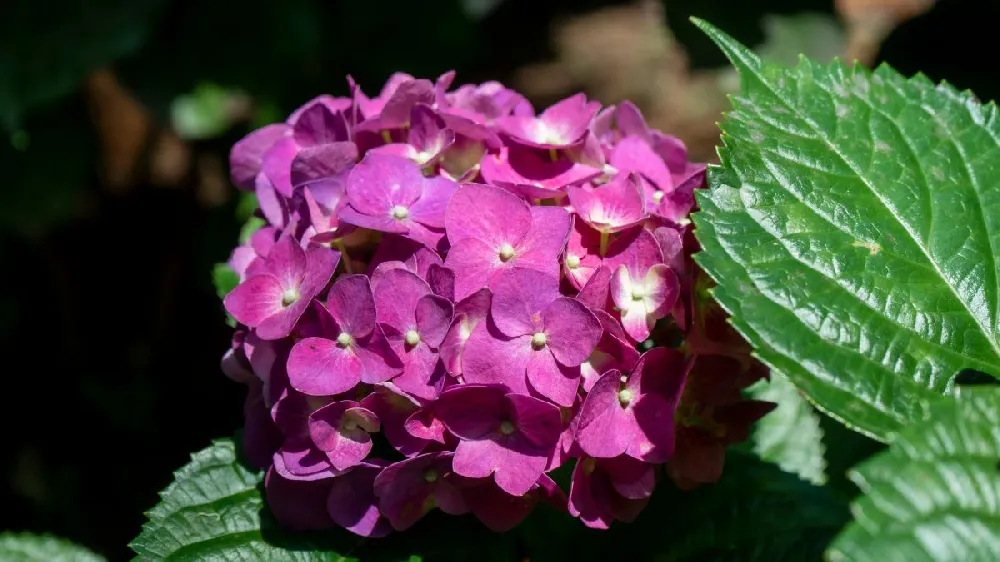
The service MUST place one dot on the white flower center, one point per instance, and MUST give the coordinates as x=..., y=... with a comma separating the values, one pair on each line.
x=350, y=424
x=538, y=340
x=399, y=212
x=572, y=261
x=344, y=339
x=412, y=337
x=289, y=296
x=639, y=293
x=625, y=397
x=506, y=252
x=658, y=196
x=430, y=476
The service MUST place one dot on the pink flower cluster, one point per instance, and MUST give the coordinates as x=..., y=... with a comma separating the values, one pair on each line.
x=448, y=301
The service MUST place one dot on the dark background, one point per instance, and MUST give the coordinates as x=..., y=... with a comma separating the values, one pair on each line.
x=111, y=330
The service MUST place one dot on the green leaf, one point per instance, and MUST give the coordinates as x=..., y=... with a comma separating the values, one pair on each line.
x=26, y=547
x=851, y=229
x=207, y=112
x=790, y=435
x=225, y=279
x=212, y=510
x=935, y=494
x=756, y=512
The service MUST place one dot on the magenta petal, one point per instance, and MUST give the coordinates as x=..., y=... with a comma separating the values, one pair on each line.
x=540, y=249
x=396, y=296
x=271, y=204
x=430, y=209
x=596, y=292
x=352, y=304
x=382, y=222
x=318, y=122
x=604, y=428
x=352, y=504
x=496, y=509
x=633, y=154
x=473, y=263
x=297, y=506
x=425, y=424
x=320, y=367
x=245, y=156
x=552, y=380
x=277, y=165
x=441, y=281
x=423, y=374
x=340, y=429
x=519, y=297
x=469, y=312
x=471, y=411
x=254, y=300
x=637, y=250
x=632, y=478
x=490, y=358
x=612, y=207
x=393, y=408
x=571, y=329
x=586, y=500
x=489, y=214
x=433, y=315
x=323, y=161
x=381, y=181
x=379, y=361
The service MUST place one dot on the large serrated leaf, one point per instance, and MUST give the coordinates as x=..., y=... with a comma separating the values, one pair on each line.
x=212, y=511
x=935, y=494
x=790, y=435
x=26, y=547
x=851, y=228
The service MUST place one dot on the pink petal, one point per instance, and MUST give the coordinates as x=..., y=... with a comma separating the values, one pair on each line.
x=430, y=209
x=478, y=458
x=612, y=207
x=633, y=154
x=552, y=380
x=425, y=424
x=323, y=161
x=546, y=240
x=596, y=292
x=572, y=331
x=519, y=297
x=381, y=222
x=255, y=299
x=423, y=375
x=380, y=362
x=277, y=165
x=637, y=250
x=604, y=428
x=352, y=304
x=352, y=504
x=396, y=296
x=663, y=287
x=588, y=499
x=490, y=358
x=473, y=263
x=287, y=261
x=538, y=423
x=320, y=367
x=433, y=315
x=637, y=323
x=488, y=214
x=441, y=281
x=472, y=411
x=381, y=181
x=245, y=156
x=654, y=420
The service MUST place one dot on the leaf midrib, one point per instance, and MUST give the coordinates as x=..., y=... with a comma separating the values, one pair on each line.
x=751, y=66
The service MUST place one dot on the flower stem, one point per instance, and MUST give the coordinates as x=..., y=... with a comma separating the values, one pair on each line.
x=345, y=258
x=605, y=237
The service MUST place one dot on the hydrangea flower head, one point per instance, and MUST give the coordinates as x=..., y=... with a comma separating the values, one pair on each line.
x=448, y=302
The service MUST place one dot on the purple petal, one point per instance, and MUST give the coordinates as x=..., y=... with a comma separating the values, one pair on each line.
x=596, y=292
x=379, y=361
x=489, y=214
x=498, y=510
x=271, y=204
x=633, y=154
x=382, y=223
x=404, y=98
x=430, y=209
x=653, y=439
x=441, y=281
x=425, y=424
x=245, y=156
x=552, y=380
x=340, y=429
x=538, y=424
x=604, y=428
x=671, y=244
x=352, y=304
x=323, y=161
x=490, y=358
x=514, y=473
x=393, y=408
x=612, y=207
x=546, y=240
x=468, y=314
x=277, y=165
x=315, y=123
x=380, y=182
x=572, y=331
x=472, y=411
x=396, y=296
x=433, y=315
x=320, y=367
x=423, y=374
x=428, y=133
x=352, y=504
x=588, y=500
x=631, y=478
x=519, y=297
x=297, y=506
x=254, y=300
x=474, y=263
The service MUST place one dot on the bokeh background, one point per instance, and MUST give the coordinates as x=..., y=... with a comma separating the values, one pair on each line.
x=117, y=117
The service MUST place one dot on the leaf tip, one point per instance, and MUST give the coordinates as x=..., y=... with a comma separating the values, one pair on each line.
x=737, y=53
